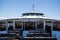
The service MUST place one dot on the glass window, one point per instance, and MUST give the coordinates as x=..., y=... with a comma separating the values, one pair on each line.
x=10, y=25
x=48, y=23
x=56, y=26
x=40, y=25
x=48, y=26
x=29, y=25
x=2, y=26
x=18, y=25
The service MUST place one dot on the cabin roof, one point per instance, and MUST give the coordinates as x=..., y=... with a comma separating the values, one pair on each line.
x=30, y=15
x=22, y=17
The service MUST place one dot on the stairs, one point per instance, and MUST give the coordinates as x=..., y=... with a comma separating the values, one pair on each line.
x=32, y=35
x=18, y=34
x=38, y=35
x=12, y=35
x=39, y=38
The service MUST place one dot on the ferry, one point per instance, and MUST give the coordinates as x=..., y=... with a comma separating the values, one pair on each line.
x=30, y=26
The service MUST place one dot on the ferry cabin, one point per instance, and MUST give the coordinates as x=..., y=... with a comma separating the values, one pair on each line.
x=31, y=21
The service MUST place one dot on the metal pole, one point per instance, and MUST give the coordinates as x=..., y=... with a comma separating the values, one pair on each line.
x=44, y=24
x=13, y=25
x=6, y=25
x=52, y=26
x=22, y=25
x=36, y=25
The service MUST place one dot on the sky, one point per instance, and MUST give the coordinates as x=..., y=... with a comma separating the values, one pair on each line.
x=15, y=8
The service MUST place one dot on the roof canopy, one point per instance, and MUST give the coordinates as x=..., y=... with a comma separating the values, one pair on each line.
x=32, y=14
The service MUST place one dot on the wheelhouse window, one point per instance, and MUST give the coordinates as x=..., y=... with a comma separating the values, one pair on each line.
x=56, y=26
x=29, y=25
x=2, y=26
x=18, y=25
x=40, y=25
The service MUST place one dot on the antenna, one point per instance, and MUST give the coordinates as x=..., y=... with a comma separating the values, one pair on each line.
x=33, y=10
x=33, y=7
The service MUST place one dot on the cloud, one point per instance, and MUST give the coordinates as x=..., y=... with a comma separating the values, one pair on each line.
x=1, y=18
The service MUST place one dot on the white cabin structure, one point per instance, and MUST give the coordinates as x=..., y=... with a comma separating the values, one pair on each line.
x=31, y=26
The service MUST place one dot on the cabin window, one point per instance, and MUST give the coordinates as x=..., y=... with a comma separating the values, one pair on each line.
x=56, y=26
x=48, y=26
x=40, y=25
x=18, y=25
x=29, y=25
x=2, y=26
x=10, y=25
x=48, y=23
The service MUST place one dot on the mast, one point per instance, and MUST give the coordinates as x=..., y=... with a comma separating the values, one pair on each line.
x=33, y=8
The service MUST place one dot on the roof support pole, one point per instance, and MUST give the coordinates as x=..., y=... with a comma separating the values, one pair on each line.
x=6, y=25
x=36, y=25
x=44, y=24
x=13, y=25
x=52, y=26
x=22, y=25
